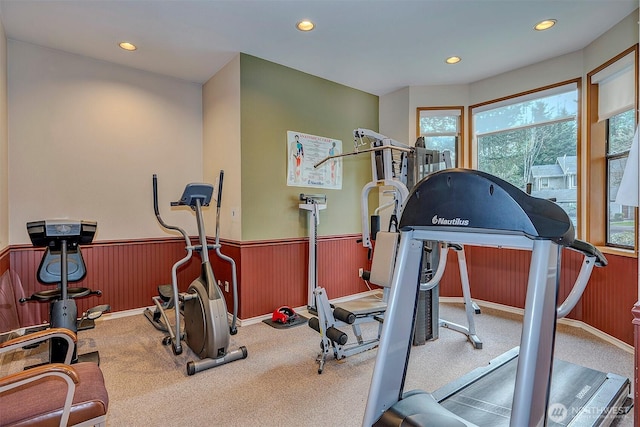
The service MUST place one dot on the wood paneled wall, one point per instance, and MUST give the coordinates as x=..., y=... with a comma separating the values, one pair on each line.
x=127, y=273
x=275, y=273
x=500, y=276
x=4, y=260
x=272, y=274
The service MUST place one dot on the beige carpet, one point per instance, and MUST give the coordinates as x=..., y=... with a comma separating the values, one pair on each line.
x=278, y=384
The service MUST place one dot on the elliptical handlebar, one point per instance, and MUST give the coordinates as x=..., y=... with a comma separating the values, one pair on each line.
x=174, y=334
x=218, y=205
x=159, y=218
x=234, y=279
x=219, y=200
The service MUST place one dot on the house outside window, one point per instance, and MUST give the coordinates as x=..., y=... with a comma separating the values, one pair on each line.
x=530, y=140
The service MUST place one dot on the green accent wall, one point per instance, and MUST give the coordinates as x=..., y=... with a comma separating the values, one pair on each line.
x=276, y=99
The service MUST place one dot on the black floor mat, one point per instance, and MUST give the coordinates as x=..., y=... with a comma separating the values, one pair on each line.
x=301, y=320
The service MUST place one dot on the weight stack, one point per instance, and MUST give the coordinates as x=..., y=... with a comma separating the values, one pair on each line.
x=427, y=317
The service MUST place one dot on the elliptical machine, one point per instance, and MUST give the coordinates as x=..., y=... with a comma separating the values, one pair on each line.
x=206, y=329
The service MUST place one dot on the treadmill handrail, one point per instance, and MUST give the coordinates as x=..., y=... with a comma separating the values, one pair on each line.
x=592, y=257
x=587, y=249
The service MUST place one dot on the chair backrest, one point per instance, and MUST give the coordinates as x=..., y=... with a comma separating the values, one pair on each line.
x=14, y=315
x=384, y=258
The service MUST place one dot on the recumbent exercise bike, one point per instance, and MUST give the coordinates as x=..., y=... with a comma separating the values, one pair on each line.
x=61, y=264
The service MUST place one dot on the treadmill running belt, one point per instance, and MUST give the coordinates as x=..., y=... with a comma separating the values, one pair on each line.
x=488, y=400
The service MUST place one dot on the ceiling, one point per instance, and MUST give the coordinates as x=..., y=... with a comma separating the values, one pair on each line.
x=376, y=46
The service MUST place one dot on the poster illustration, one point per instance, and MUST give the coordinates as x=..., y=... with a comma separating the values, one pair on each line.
x=304, y=151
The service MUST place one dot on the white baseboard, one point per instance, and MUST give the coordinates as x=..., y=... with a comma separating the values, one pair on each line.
x=500, y=307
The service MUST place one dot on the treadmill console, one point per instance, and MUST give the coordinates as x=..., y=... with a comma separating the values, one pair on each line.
x=51, y=232
x=466, y=200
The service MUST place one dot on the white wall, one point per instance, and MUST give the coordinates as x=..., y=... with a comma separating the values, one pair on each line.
x=4, y=145
x=565, y=67
x=611, y=43
x=221, y=144
x=394, y=116
x=85, y=137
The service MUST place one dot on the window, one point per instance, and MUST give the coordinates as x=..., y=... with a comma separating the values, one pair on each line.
x=441, y=129
x=620, y=218
x=530, y=140
x=544, y=183
x=612, y=105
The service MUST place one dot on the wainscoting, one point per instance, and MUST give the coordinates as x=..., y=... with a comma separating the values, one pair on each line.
x=500, y=276
x=274, y=273
x=270, y=274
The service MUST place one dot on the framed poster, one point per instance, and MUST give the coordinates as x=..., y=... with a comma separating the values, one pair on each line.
x=304, y=151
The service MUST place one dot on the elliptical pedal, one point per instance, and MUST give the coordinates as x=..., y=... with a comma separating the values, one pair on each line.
x=165, y=292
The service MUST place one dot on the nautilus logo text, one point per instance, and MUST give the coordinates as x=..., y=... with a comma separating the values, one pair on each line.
x=443, y=221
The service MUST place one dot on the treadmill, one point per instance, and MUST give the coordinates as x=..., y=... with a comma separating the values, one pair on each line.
x=579, y=396
x=525, y=386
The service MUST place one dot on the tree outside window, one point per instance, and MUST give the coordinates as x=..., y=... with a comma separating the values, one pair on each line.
x=620, y=218
x=441, y=128
x=531, y=142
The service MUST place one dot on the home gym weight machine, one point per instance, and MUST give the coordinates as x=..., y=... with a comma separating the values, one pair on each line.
x=62, y=263
x=206, y=328
x=400, y=167
x=395, y=171
x=475, y=208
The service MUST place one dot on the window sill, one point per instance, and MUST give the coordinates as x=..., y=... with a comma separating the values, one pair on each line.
x=607, y=250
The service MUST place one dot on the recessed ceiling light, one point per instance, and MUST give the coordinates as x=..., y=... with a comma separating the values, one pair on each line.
x=545, y=25
x=127, y=46
x=305, y=25
x=453, y=60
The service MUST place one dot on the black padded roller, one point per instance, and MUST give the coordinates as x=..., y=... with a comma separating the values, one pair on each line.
x=336, y=335
x=344, y=315
x=314, y=324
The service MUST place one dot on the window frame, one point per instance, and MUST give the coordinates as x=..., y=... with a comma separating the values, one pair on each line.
x=459, y=154
x=597, y=206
